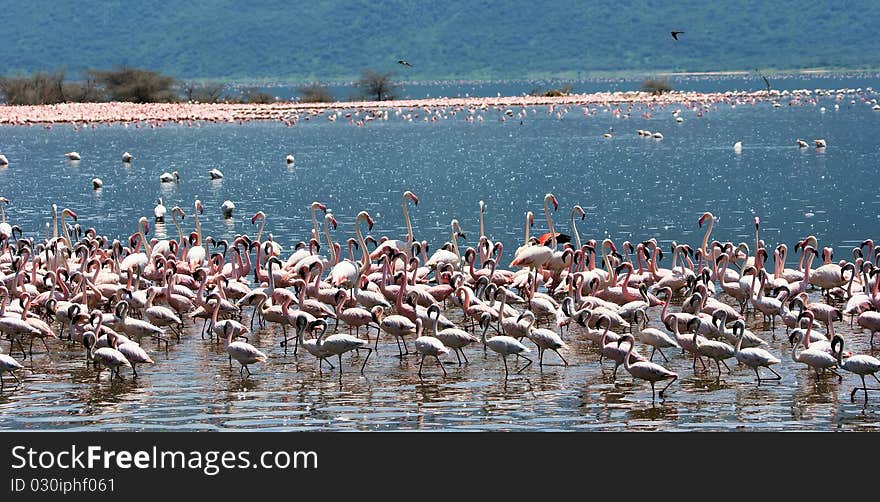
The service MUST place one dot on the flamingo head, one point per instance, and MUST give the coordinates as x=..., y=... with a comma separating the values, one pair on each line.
x=411, y=196
x=146, y=224
x=69, y=212
x=365, y=216
x=179, y=212
x=706, y=216
x=757, y=222
x=331, y=220
x=199, y=207
x=550, y=198
x=530, y=216
x=257, y=216
x=317, y=205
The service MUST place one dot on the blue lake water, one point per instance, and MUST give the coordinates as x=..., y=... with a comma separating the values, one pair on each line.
x=632, y=188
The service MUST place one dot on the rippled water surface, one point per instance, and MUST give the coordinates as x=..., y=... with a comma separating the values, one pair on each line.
x=633, y=188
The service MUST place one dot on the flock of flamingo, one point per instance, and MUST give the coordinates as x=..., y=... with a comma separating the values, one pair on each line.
x=76, y=286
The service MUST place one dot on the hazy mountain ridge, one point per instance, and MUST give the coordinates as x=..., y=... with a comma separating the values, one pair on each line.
x=335, y=40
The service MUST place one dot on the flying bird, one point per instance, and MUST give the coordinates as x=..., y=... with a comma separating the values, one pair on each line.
x=404, y=62
x=765, y=80
x=675, y=34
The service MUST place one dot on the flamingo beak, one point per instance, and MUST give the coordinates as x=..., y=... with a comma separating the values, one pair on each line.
x=555, y=204
x=254, y=218
x=369, y=223
x=71, y=214
x=757, y=222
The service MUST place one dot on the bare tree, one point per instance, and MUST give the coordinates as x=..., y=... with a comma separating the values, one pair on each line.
x=378, y=85
x=204, y=93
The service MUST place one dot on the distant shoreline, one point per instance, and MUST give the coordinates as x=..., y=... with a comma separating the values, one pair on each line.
x=153, y=114
x=591, y=77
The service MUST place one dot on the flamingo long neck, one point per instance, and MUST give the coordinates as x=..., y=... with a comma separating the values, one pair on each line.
x=501, y=310
x=482, y=232
x=528, y=220
x=409, y=231
x=198, y=224
x=708, y=232
x=176, y=224
x=365, y=267
x=808, y=264
x=574, y=230
x=64, y=229
x=148, y=248
x=626, y=364
x=54, y=221
x=550, y=226
x=333, y=258
x=315, y=232
x=454, y=237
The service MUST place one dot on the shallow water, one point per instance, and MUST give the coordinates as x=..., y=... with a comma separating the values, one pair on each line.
x=632, y=188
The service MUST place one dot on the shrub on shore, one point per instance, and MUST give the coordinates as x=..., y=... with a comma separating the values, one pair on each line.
x=656, y=86
x=565, y=90
x=314, y=93
x=135, y=84
x=120, y=84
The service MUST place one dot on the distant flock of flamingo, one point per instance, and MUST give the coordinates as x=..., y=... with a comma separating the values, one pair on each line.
x=76, y=286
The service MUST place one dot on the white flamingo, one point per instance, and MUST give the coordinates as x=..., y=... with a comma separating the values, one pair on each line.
x=753, y=357
x=428, y=346
x=503, y=345
x=646, y=370
x=860, y=364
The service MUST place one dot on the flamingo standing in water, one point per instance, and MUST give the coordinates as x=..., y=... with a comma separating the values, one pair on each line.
x=8, y=364
x=428, y=346
x=242, y=352
x=646, y=370
x=753, y=357
x=503, y=345
x=861, y=365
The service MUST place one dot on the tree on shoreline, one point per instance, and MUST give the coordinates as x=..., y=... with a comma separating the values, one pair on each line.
x=378, y=85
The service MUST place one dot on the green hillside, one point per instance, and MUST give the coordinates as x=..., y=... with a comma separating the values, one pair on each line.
x=474, y=39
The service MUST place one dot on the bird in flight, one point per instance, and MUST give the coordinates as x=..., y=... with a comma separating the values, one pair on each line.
x=404, y=63
x=765, y=80
x=675, y=34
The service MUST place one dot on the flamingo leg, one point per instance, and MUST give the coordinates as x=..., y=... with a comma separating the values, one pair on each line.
x=340, y=364
x=366, y=358
x=441, y=365
x=667, y=385
x=560, y=357
x=421, y=363
x=504, y=358
x=527, y=365
x=464, y=356
x=778, y=376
